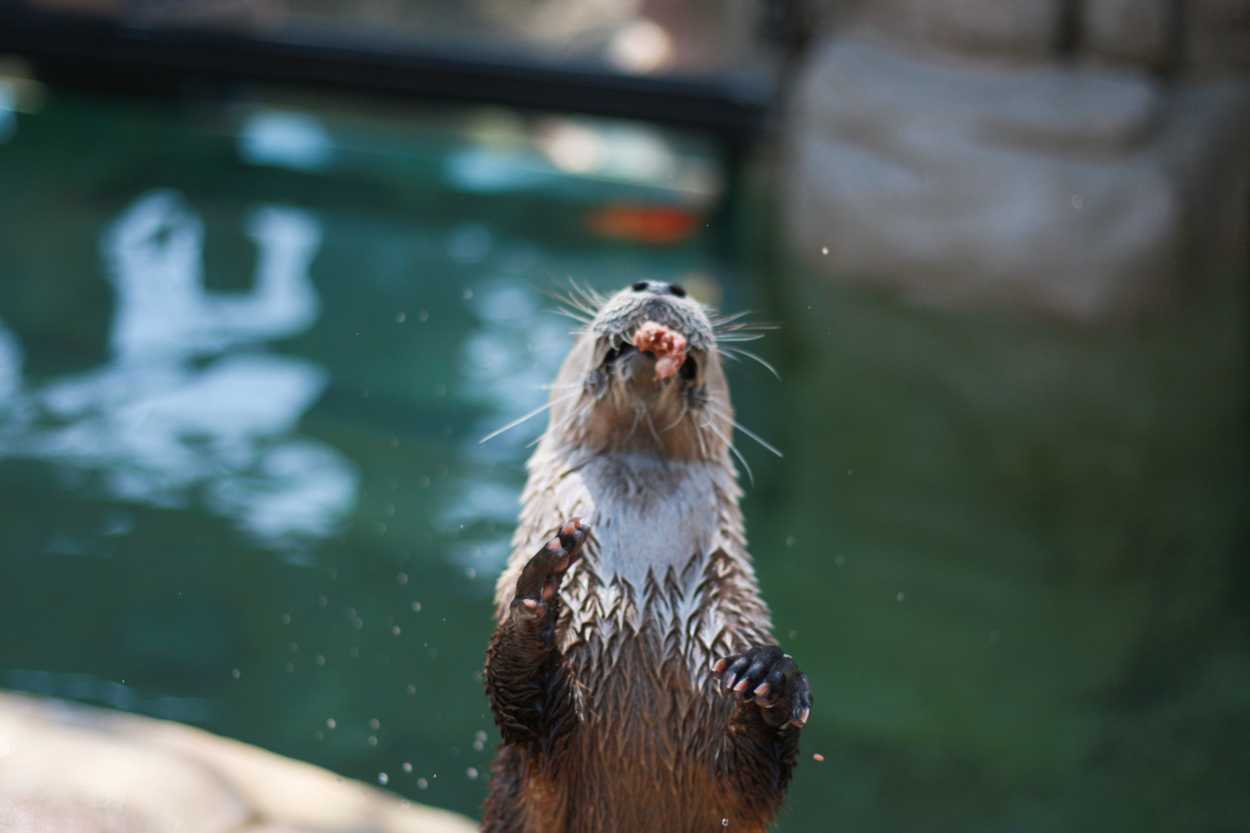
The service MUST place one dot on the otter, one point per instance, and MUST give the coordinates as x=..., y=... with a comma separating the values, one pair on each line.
x=633, y=673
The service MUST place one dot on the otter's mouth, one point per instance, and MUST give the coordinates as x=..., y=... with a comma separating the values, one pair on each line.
x=661, y=347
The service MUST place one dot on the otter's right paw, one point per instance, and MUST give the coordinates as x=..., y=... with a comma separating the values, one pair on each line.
x=768, y=677
x=542, y=574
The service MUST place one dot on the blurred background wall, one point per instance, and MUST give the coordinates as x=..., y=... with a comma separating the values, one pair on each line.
x=1083, y=158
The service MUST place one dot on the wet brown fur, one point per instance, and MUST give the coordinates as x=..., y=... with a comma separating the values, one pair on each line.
x=611, y=716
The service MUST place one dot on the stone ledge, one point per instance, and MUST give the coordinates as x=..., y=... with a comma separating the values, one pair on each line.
x=67, y=768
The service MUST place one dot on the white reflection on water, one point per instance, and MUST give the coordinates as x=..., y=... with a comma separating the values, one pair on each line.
x=10, y=367
x=8, y=111
x=510, y=361
x=287, y=140
x=190, y=405
x=72, y=686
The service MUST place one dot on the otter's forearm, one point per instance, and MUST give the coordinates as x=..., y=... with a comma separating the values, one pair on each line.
x=759, y=758
x=772, y=702
x=526, y=684
x=526, y=681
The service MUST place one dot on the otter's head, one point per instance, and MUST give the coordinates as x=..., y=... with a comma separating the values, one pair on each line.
x=644, y=375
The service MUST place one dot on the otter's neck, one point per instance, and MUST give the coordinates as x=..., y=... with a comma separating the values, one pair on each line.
x=653, y=518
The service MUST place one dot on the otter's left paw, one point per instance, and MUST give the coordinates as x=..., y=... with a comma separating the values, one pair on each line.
x=770, y=678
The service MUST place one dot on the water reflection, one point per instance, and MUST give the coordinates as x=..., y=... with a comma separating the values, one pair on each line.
x=508, y=360
x=93, y=689
x=8, y=106
x=190, y=402
x=285, y=139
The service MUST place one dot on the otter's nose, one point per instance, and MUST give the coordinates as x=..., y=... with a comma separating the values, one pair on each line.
x=660, y=288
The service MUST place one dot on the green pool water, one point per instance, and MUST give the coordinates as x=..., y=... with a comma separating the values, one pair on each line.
x=247, y=350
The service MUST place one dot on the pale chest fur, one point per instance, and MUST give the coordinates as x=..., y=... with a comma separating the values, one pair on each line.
x=665, y=579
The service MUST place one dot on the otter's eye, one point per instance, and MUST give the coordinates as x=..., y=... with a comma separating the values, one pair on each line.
x=641, y=286
x=689, y=369
x=678, y=290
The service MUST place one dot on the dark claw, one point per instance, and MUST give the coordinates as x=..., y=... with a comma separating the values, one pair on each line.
x=540, y=580
x=769, y=678
x=736, y=667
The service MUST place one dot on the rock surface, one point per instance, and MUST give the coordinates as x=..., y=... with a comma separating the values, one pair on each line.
x=66, y=768
x=1089, y=166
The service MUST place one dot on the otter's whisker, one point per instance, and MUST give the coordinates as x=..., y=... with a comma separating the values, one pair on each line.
x=560, y=298
x=735, y=326
x=685, y=409
x=747, y=354
x=639, y=408
x=569, y=418
x=735, y=452
x=590, y=297
x=521, y=419
x=767, y=445
x=698, y=433
x=565, y=386
x=579, y=317
x=651, y=427
x=721, y=320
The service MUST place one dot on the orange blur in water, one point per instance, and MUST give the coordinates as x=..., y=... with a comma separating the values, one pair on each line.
x=661, y=225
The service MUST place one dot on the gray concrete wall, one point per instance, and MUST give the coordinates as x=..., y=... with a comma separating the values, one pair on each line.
x=1087, y=159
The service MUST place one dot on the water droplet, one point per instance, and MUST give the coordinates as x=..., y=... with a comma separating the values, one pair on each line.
x=286, y=618
x=383, y=778
x=472, y=773
x=423, y=784
x=898, y=597
x=401, y=318
x=395, y=631
x=824, y=250
x=375, y=724
x=236, y=673
x=724, y=822
x=818, y=758
x=321, y=660
x=407, y=766
x=412, y=689
x=416, y=607
x=373, y=740
x=402, y=578
x=331, y=723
